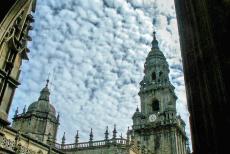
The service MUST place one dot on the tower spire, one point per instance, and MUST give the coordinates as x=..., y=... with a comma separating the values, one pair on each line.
x=44, y=94
x=156, y=67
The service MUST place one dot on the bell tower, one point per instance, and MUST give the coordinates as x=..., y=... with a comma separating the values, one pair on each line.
x=156, y=126
x=156, y=92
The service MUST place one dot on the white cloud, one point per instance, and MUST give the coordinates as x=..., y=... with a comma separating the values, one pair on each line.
x=95, y=51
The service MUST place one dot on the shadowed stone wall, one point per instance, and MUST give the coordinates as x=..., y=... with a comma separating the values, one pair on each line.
x=204, y=34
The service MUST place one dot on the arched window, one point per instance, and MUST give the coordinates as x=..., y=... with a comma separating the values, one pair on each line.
x=153, y=76
x=155, y=105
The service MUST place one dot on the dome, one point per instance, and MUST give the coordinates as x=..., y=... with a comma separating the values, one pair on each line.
x=43, y=105
x=156, y=53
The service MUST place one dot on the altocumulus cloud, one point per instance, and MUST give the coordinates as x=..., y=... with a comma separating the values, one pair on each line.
x=95, y=51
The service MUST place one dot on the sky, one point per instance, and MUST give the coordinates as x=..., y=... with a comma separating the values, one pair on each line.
x=94, y=52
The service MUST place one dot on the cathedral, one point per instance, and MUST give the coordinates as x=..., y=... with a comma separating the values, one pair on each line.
x=156, y=129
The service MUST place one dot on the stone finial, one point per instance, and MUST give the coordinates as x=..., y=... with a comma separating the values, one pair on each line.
x=154, y=41
x=137, y=109
x=114, y=132
x=107, y=133
x=24, y=109
x=154, y=35
x=63, y=139
x=58, y=117
x=91, y=135
x=77, y=137
x=16, y=112
x=47, y=82
x=128, y=134
x=132, y=137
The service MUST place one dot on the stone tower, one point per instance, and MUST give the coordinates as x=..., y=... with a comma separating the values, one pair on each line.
x=39, y=121
x=156, y=126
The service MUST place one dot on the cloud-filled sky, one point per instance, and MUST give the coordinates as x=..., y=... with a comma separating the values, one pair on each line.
x=95, y=51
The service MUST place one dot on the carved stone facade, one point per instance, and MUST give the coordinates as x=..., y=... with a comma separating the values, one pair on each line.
x=14, y=29
x=12, y=141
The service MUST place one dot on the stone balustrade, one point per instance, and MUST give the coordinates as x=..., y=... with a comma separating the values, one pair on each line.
x=92, y=144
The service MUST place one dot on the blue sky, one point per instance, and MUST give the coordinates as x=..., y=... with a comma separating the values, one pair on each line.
x=95, y=51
